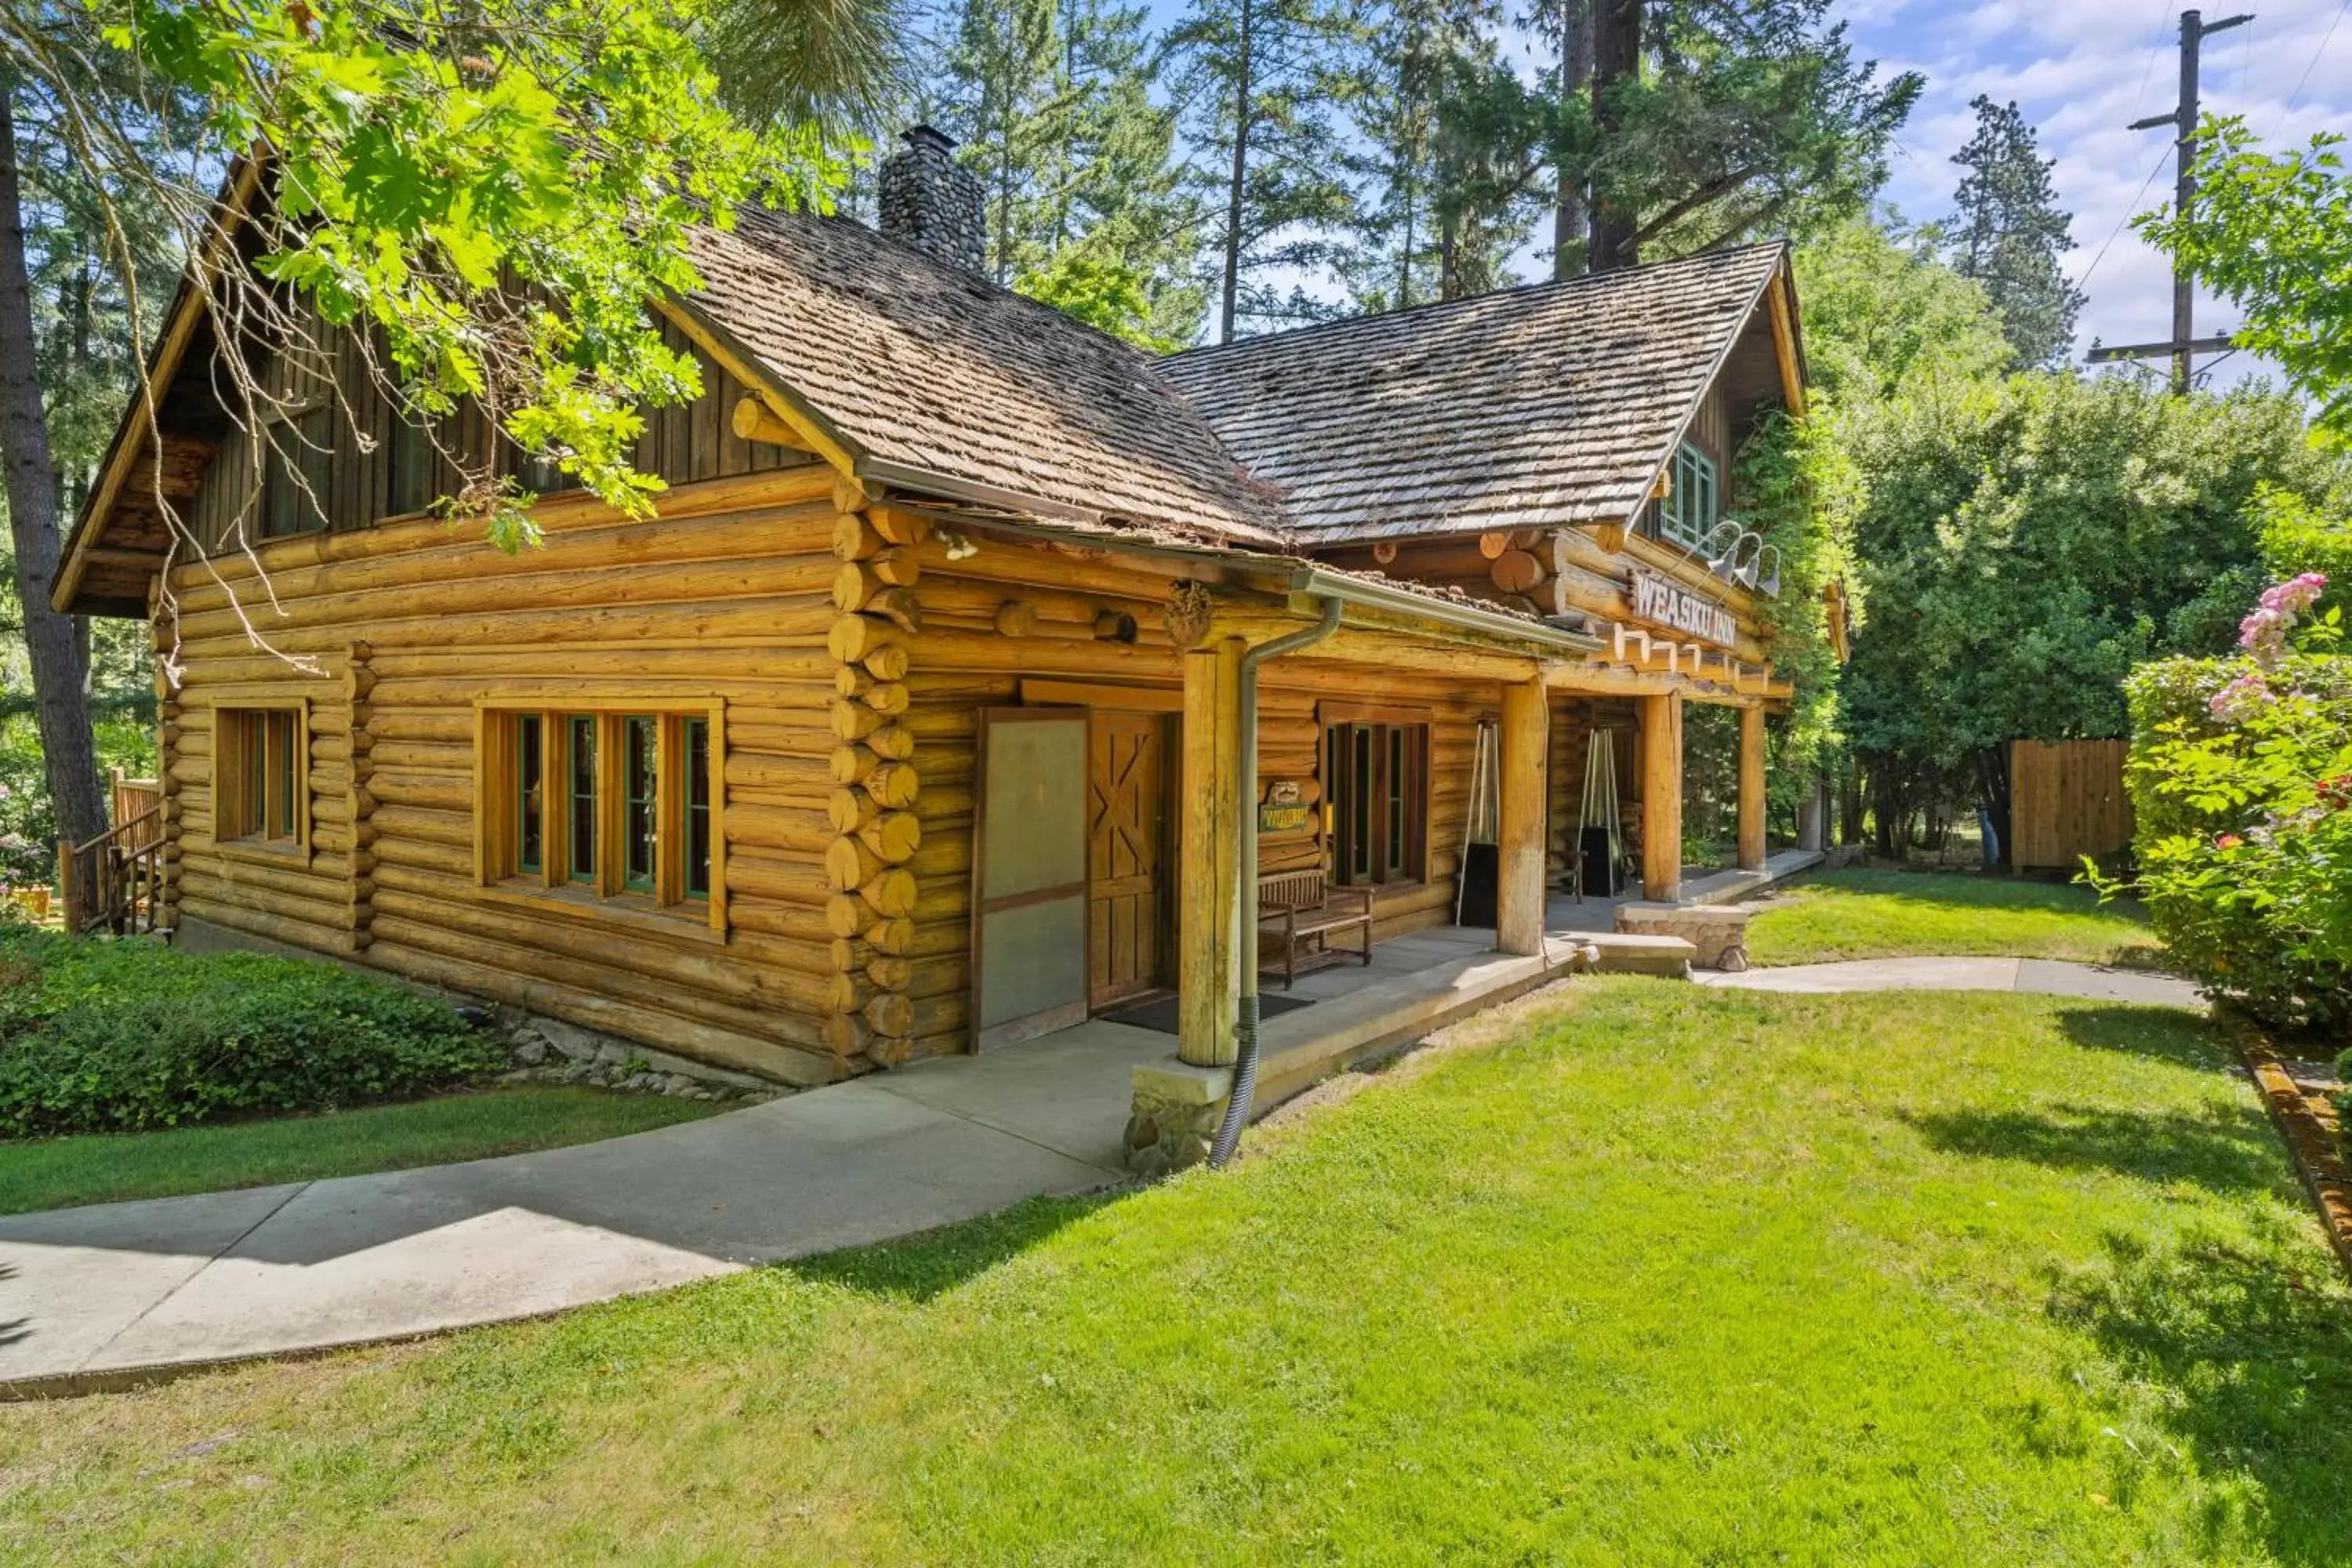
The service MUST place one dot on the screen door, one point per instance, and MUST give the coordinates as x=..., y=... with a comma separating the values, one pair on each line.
x=1029, y=874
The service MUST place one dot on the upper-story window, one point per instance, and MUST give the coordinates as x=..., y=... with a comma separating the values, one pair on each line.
x=1691, y=505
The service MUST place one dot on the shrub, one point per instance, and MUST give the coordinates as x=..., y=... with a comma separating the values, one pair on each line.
x=2237, y=778
x=105, y=1036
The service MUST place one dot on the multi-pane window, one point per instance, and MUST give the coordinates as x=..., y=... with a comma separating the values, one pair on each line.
x=260, y=794
x=1691, y=505
x=295, y=473
x=1376, y=779
x=614, y=804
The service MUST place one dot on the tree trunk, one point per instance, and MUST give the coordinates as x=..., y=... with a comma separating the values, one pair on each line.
x=1616, y=62
x=1242, y=84
x=1570, y=218
x=60, y=705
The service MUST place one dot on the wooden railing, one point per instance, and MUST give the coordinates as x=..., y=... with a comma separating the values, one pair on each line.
x=122, y=869
x=137, y=800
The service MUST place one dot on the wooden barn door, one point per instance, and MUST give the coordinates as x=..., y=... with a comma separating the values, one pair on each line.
x=1127, y=854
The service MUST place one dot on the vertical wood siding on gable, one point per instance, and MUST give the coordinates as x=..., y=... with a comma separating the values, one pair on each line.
x=681, y=444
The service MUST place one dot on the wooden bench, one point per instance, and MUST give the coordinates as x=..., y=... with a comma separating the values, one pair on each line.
x=1299, y=905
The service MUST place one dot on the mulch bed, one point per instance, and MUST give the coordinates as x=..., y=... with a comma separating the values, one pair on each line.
x=2297, y=1095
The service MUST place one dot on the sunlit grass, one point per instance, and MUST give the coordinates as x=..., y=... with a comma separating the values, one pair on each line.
x=1876, y=913
x=1656, y=1274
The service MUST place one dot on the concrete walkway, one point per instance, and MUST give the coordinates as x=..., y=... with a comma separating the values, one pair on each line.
x=113, y=1294
x=2041, y=976
x=93, y=1296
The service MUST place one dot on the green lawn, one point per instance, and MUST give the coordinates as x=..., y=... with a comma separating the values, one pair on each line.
x=1870, y=914
x=59, y=1173
x=1652, y=1274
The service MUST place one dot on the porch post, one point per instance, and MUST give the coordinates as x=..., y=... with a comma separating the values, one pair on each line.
x=1662, y=797
x=1751, y=789
x=1519, y=858
x=1208, y=917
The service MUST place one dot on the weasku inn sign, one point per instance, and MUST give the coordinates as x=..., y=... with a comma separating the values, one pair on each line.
x=1663, y=602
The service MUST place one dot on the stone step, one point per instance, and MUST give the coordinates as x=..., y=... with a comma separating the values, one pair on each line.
x=1625, y=954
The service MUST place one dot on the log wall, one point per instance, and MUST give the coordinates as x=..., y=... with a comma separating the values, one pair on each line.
x=405, y=627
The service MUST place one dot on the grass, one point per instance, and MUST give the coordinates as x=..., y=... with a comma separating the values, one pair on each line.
x=59, y=1173
x=1876, y=913
x=1650, y=1274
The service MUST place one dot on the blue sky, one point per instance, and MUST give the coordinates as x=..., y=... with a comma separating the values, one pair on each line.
x=2080, y=70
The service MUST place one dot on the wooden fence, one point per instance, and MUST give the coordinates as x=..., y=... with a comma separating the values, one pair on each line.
x=2066, y=800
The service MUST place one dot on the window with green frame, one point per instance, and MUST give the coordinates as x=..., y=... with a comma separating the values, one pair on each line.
x=614, y=804
x=1692, y=505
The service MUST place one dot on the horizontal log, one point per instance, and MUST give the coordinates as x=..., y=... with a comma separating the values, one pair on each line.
x=763, y=537
x=798, y=579
x=790, y=1050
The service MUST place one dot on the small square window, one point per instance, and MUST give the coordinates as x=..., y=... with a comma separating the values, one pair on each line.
x=260, y=789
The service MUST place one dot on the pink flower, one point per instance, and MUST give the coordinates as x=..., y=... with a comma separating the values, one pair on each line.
x=2227, y=841
x=2240, y=700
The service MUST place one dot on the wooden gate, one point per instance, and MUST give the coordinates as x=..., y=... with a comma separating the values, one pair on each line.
x=2066, y=800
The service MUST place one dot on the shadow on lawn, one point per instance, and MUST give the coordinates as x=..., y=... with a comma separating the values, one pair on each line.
x=2252, y=1366
x=2174, y=1036
x=2225, y=1150
x=918, y=1267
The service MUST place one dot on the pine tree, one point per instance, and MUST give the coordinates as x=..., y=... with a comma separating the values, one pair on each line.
x=1438, y=116
x=1050, y=101
x=1262, y=83
x=2007, y=233
x=1002, y=62
x=1116, y=188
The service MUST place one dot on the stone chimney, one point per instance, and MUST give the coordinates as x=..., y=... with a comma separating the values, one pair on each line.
x=930, y=203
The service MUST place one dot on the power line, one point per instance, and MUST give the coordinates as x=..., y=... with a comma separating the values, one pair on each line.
x=2154, y=170
x=2310, y=66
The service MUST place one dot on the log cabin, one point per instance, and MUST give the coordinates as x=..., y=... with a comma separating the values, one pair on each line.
x=979, y=672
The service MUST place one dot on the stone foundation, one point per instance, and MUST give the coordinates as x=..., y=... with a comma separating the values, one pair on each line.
x=1173, y=1116
x=548, y=1050
x=1718, y=931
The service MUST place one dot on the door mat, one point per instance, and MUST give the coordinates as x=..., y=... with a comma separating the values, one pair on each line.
x=1162, y=1014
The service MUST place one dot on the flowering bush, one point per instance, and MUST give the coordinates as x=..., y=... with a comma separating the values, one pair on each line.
x=2240, y=775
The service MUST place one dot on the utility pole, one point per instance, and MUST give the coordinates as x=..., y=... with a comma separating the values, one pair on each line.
x=2185, y=344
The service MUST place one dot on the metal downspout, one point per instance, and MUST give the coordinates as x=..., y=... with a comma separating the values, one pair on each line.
x=1237, y=1105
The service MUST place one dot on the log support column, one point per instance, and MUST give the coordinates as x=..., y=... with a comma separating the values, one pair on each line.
x=1662, y=797
x=1519, y=881
x=1212, y=883
x=1751, y=789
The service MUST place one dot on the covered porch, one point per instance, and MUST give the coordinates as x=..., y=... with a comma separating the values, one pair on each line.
x=1118, y=1096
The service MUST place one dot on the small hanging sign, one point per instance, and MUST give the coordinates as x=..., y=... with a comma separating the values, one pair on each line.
x=1282, y=810
x=1667, y=602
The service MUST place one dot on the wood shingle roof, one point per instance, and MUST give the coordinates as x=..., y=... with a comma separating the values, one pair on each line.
x=930, y=368
x=1547, y=404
